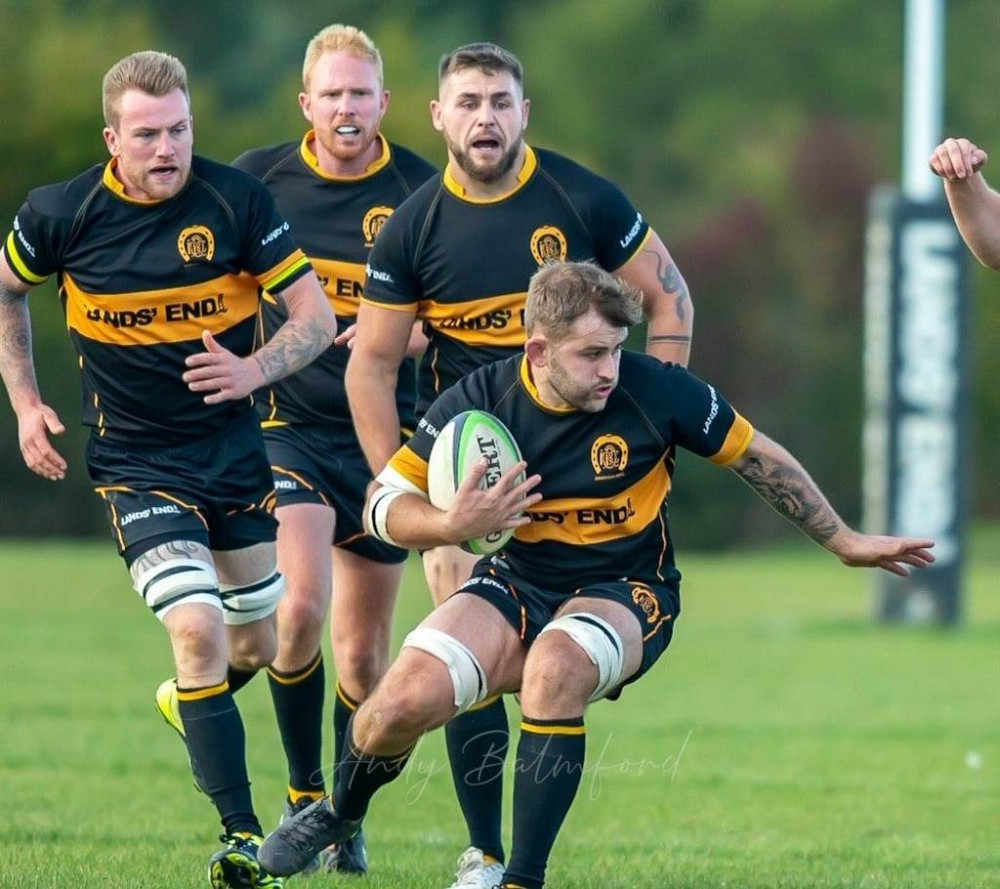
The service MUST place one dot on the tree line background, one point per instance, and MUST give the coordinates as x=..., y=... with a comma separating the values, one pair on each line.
x=748, y=132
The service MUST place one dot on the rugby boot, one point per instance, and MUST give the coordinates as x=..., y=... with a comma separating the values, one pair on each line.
x=299, y=839
x=348, y=857
x=236, y=866
x=168, y=708
x=290, y=810
x=475, y=872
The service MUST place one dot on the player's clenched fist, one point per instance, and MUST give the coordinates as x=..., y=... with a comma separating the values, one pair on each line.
x=957, y=159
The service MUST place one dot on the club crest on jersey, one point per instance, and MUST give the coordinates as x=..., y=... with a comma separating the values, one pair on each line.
x=372, y=224
x=548, y=244
x=609, y=456
x=196, y=242
x=646, y=599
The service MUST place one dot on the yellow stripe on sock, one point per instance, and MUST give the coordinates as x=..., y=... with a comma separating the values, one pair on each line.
x=350, y=704
x=294, y=678
x=199, y=694
x=553, y=729
x=294, y=794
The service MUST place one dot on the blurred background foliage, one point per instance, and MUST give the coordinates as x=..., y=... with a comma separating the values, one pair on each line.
x=749, y=132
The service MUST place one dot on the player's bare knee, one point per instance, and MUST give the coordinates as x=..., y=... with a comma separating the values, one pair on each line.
x=198, y=641
x=558, y=677
x=360, y=666
x=303, y=606
x=253, y=646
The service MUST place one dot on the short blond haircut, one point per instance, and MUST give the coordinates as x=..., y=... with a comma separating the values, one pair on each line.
x=150, y=72
x=341, y=38
x=561, y=292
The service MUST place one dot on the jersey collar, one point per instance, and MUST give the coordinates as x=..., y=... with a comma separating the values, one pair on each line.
x=312, y=161
x=113, y=184
x=532, y=390
x=527, y=171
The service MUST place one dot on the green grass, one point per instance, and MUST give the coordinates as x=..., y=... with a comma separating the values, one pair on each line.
x=784, y=740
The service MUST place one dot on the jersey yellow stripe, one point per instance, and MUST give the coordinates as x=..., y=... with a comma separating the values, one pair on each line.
x=737, y=441
x=18, y=263
x=488, y=321
x=411, y=466
x=160, y=316
x=599, y=520
x=343, y=283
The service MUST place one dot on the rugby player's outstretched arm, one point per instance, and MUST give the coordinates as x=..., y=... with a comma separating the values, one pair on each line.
x=786, y=486
x=668, y=306
x=975, y=206
x=224, y=376
x=35, y=420
x=372, y=372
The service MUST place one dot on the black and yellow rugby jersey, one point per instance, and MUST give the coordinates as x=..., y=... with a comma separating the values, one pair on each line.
x=464, y=264
x=140, y=281
x=335, y=221
x=605, y=476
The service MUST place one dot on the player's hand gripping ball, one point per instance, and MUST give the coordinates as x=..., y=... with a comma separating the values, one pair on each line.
x=463, y=442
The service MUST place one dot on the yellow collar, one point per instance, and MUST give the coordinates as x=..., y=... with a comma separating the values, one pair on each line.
x=117, y=187
x=527, y=170
x=532, y=390
x=312, y=161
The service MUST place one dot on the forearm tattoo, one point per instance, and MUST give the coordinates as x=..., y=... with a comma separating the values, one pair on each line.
x=672, y=283
x=792, y=493
x=294, y=345
x=15, y=339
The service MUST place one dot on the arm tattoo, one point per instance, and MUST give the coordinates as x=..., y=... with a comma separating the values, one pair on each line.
x=671, y=281
x=16, y=366
x=791, y=493
x=294, y=345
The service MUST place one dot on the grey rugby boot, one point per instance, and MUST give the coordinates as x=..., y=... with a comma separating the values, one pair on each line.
x=297, y=841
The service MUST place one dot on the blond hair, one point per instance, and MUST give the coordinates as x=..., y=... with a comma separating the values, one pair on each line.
x=154, y=73
x=341, y=38
x=561, y=292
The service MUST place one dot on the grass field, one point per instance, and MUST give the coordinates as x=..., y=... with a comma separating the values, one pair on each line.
x=783, y=741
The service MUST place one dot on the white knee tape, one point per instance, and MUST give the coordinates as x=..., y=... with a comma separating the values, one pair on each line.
x=466, y=673
x=600, y=642
x=178, y=582
x=254, y=601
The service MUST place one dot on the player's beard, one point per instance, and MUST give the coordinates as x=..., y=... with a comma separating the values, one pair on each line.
x=580, y=397
x=489, y=173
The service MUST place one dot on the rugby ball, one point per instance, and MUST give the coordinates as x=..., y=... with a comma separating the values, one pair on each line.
x=465, y=440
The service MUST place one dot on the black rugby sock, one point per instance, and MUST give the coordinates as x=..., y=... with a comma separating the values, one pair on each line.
x=217, y=743
x=343, y=709
x=548, y=768
x=477, y=749
x=359, y=775
x=298, y=708
x=238, y=678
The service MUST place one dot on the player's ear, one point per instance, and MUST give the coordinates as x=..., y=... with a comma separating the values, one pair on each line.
x=525, y=110
x=112, y=141
x=536, y=348
x=436, y=115
x=384, y=103
x=305, y=106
